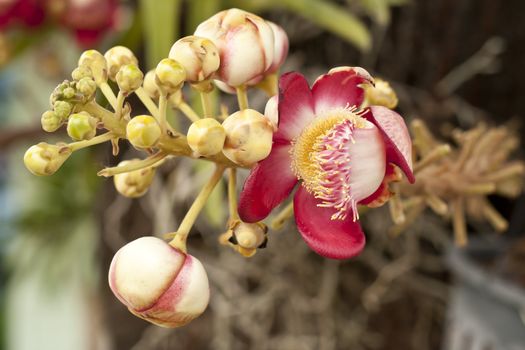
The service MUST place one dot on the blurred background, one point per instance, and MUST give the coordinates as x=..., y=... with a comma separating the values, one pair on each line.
x=455, y=64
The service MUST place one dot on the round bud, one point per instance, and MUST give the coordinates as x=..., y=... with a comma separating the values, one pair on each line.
x=245, y=238
x=134, y=184
x=245, y=43
x=169, y=75
x=248, y=137
x=94, y=60
x=45, y=159
x=68, y=93
x=159, y=283
x=150, y=85
x=50, y=121
x=81, y=72
x=87, y=87
x=143, y=131
x=62, y=109
x=81, y=126
x=116, y=57
x=206, y=137
x=381, y=94
x=271, y=111
x=199, y=57
x=129, y=78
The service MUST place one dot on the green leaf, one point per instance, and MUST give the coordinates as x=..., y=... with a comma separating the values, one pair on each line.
x=378, y=10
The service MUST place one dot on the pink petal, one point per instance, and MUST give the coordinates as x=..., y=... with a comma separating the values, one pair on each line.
x=338, y=89
x=335, y=239
x=268, y=184
x=397, y=139
x=296, y=107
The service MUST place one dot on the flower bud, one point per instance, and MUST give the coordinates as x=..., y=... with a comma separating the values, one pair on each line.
x=143, y=131
x=81, y=126
x=129, y=78
x=206, y=137
x=159, y=283
x=150, y=85
x=381, y=94
x=245, y=43
x=68, y=93
x=87, y=87
x=62, y=109
x=199, y=57
x=81, y=72
x=169, y=75
x=134, y=184
x=94, y=60
x=119, y=56
x=44, y=159
x=50, y=121
x=271, y=111
x=245, y=238
x=280, y=48
x=248, y=137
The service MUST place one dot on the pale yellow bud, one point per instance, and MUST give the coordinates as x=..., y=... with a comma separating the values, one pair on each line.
x=206, y=137
x=94, y=60
x=143, y=131
x=81, y=72
x=87, y=87
x=81, y=126
x=248, y=137
x=245, y=238
x=381, y=94
x=170, y=75
x=199, y=57
x=50, y=121
x=134, y=184
x=45, y=159
x=150, y=85
x=62, y=109
x=116, y=57
x=129, y=78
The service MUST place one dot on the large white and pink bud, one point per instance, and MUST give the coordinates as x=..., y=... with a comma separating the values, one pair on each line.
x=245, y=42
x=280, y=47
x=159, y=283
x=199, y=57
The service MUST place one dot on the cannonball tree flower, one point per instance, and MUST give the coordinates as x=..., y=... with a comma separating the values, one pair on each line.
x=340, y=154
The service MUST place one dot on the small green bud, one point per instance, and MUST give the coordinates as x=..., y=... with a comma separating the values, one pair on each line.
x=81, y=72
x=116, y=57
x=206, y=137
x=94, y=60
x=62, y=109
x=45, y=159
x=68, y=93
x=50, y=121
x=170, y=75
x=150, y=85
x=134, y=184
x=129, y=78
x=143, y=131
x=87, y=87
x=81, y=126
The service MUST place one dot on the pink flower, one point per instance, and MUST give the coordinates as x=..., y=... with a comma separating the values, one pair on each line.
x=341, y=155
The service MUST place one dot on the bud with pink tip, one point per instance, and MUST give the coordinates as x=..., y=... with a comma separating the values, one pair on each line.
x=159, y=283
x=245, y=43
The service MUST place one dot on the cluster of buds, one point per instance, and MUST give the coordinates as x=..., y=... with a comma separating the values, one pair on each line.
x=158, y=280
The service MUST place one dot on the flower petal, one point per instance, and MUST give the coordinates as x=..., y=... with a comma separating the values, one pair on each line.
x=296, y=107
x=335, y=239
x=268, y=184
x=339, y=89
x=397, y=139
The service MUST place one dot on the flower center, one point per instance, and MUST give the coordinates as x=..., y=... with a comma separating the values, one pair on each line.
x=323, y=156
